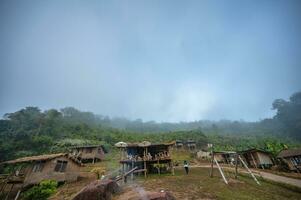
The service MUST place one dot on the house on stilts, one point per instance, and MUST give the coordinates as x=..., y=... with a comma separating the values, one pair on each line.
x=225, y=157
x=257, y=158
x=88, y=153
x=147, y=157
x=179, y=144
x=292, y=157
x=191, y=145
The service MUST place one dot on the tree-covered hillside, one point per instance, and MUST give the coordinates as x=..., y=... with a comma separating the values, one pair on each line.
x=31, y=131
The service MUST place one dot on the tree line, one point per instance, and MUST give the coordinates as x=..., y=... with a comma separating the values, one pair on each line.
x=31, y=131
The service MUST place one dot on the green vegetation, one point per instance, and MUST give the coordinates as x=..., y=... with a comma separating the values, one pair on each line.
x=41, y=191
x=198, y=185
x=31, y=131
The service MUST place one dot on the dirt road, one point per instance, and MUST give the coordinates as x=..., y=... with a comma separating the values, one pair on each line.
x=281, y=179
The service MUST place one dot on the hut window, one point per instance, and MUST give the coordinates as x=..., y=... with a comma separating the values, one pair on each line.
x=89, y=150
x=100, y=150
x=38, y=166
x=60, y=166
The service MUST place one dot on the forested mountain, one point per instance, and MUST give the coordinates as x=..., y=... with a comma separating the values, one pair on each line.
x=286, y=123
x=32, y=131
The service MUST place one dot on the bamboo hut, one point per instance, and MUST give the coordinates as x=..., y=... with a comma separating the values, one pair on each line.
x=292, y=157
x=91, y=153
x=59, y=167
x=226, y=157
x=148, y=157
x=179, y=144
x=257, y=158
x=191, y=145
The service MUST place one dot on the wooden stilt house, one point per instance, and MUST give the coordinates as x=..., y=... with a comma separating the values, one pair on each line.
x=90, y=153
x=191, y=145
x=226, y=157
x=292, y=157
x=148, y=157
x=257, y=158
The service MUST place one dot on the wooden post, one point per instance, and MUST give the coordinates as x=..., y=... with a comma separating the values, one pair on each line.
x=255, y=165
x=212, y=159
x=9, y=192
x=122, y=171
x=145, y=161
x=236, y=165
x=132, y=175
x=3, y=186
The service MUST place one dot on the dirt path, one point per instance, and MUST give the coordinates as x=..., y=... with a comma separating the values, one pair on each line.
x=282, y=179
x=265, y=175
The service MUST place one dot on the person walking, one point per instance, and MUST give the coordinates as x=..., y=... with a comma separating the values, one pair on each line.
x=186, y=166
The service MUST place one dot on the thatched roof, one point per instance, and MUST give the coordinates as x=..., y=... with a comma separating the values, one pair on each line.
x=224, y=152
x=152, y=144
x=36, y=158
x=121, y=144
x=87, y=146
x=289, y=153
x=91, y=146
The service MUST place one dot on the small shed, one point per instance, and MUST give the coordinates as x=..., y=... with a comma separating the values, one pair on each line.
x=90, y=153
x=257, y=158
x=292, y=157
x=191, y=144
x=59, y=167
x=226, y=157
x=179, y=144
x=203, y=154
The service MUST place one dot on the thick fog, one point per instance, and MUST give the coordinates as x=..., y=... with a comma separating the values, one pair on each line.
x=154, y=60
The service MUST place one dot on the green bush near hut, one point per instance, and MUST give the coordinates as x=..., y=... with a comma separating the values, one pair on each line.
x=41, y=191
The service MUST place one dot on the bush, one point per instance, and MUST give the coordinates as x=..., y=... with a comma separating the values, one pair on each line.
x=41, y=191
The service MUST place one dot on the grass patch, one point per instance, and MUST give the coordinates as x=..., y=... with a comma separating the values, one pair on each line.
x=181, y=155
x=198, y=185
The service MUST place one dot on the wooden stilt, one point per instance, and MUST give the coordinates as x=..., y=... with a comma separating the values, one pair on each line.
x=9, y=192
x=122, y=172
x=145, y=149
x=253, y=159
x=236, y=165
x=132, y=175
x=3, y=187
x=212, y=158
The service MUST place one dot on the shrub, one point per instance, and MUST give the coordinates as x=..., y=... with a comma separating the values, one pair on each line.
x=41, y=191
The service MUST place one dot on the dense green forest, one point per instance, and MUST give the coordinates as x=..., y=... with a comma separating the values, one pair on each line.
x=31, y=131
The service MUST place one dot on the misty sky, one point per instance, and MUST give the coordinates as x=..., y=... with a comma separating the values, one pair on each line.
x=155, y=60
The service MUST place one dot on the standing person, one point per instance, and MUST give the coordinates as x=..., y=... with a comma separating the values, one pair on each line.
x=186, y=166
